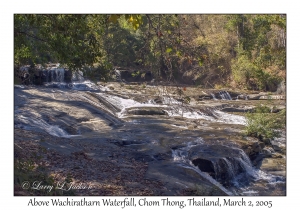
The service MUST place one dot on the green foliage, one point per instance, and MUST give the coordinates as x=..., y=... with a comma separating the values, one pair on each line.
x=243, y=70
x=68, y=39
x=262, y=109
x=100, y=71
x=136, y=74
x=265, y=126
x=250, y=49
x=248, y=74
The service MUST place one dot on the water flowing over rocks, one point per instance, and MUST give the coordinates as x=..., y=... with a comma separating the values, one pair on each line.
x=133, y=140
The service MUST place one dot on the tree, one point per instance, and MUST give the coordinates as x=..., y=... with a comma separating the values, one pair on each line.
x=70, y=39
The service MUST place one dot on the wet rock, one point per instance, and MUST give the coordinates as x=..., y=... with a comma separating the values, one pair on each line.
x=258, y=159
x=221, y=162
x=146, y=111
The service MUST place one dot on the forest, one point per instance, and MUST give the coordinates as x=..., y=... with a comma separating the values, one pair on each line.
x=246, y=51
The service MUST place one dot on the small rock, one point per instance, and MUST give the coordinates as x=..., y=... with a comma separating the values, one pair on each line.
x=111, y=87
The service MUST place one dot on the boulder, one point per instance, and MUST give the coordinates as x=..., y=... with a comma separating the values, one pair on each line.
x=221, y=162
x=253, y=97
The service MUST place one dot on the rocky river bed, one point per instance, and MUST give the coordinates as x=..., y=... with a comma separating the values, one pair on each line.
x=145, y=139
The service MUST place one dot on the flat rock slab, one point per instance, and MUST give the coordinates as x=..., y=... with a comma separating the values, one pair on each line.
x=146, y=111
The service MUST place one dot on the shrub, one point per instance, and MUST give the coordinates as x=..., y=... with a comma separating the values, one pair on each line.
x=265, y=126
x=262, y=109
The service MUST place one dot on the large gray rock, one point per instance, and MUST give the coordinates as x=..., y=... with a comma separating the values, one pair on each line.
x=253, y=97
x=221, y=162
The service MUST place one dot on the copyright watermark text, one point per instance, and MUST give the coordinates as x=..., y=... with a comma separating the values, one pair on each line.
x=64, y=186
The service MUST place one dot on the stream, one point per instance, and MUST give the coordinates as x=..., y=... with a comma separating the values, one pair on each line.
x=197, y=140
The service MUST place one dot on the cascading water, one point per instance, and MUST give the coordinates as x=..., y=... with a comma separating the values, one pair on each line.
x=180, y=157
x=54, y=75
x=32, y=121
x=78, y=76
x=233, y=174
x=225, y=95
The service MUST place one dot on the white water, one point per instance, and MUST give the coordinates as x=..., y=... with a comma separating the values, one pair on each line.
x=225, y=95
x=31, y=120
x=180, y=157
x=80, y=86
x=124, y=104
x=170, y=105
x=173, y=108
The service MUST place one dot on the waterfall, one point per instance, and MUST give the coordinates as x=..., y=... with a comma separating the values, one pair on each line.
x=180, y=156
x=225, y=95
x=78, y=76
x=54, y=75
x=232, y=172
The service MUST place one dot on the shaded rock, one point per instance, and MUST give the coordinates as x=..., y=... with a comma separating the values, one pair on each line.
x=146, y=111
x=204, y=97
x=254, y=150
x=258, y=159
x=125, y=142
x=221, y=162
x=234, y=109
x=68, y=76
x=147, y=76
x=258, y=146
